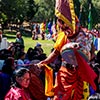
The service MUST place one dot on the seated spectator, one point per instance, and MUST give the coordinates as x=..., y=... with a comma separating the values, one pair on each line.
x=6, y=76
x=11, y=48
x=19, y=90
x=38, y=52
x=4, y=53
x=20, y=61
x=18, y=48
x=38, y=49
x=1, y=64
x=29, y=54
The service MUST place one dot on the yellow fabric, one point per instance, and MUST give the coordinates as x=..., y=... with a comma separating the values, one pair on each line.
x=59, y=15
x=49, y=81
x=61, y=40
x=85, y=90
x=57, y=27
x=42, y=26
x=71, y=5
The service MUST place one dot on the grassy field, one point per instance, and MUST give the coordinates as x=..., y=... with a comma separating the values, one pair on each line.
x=47, y=45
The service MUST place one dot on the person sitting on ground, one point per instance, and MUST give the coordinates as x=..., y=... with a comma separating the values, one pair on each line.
x=19, y=90
x=29, y=54
x=38, y=52
x=20, y=61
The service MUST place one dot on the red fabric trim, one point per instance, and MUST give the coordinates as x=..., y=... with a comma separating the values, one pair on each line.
x=85, y=71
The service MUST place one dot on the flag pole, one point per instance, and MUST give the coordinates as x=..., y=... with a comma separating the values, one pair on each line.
x=90, y=18
x=80, y=12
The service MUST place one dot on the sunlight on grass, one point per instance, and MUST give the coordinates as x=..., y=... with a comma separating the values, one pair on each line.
x=47, y=45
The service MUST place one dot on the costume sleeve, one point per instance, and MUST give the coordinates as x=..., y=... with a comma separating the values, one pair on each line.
x=61, y=40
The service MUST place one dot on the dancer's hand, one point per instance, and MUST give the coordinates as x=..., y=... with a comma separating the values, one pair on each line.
x=41, y=64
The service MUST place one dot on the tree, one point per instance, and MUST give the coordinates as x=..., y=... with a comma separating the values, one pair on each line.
x=40, y=10
x=32, y=9
x=45, y=11
x=82, y=8
x=18, y=9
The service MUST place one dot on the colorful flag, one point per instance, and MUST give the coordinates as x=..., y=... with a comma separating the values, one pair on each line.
x=65, y=11
x=90, y=18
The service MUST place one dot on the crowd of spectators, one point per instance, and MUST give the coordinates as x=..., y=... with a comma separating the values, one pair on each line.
x=14, y=58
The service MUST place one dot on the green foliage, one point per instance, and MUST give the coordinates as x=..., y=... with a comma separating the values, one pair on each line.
x=40, y=10
x=32, y=9
x=18, y=9
x=96, y=14
x=3, y=17
x=45, y=10
x=95, y=11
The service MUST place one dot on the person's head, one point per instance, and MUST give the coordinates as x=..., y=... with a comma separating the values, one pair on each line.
x=38, y=44
x=61, y=24
x=21, y=55
x=18, y=35
x=30, y=51
x=8, y=66
x=22, y=77
x=64, y=27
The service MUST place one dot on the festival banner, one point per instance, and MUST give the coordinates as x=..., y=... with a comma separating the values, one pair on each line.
x=89, y=18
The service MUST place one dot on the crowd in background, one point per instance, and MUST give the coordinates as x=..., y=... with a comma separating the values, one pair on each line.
x=14, y=58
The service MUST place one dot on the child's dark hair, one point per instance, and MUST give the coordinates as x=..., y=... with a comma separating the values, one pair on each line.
x=19, y=73
x=21, y=54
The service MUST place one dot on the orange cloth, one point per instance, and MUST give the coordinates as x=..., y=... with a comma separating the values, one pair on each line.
x=49, y=81
x=69, y=85
x=36, y=87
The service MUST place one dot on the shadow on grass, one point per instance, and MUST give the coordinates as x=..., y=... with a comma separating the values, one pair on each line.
x=9, y=37
x=12, y=34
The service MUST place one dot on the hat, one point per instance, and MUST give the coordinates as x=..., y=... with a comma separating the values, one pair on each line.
x=38, y=44
x=64, y=10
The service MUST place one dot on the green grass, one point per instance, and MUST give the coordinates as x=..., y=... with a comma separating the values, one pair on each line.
x=47, y=45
